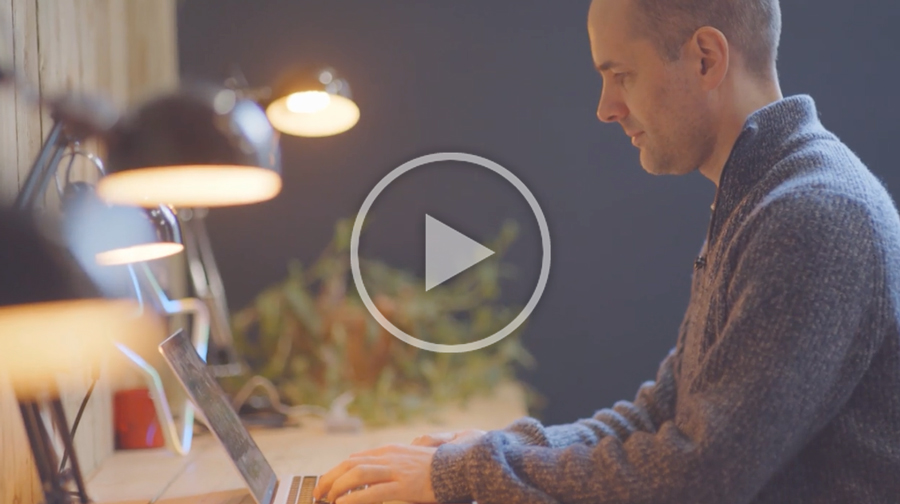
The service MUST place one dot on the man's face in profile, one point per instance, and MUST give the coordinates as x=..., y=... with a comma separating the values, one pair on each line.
x=658, y=103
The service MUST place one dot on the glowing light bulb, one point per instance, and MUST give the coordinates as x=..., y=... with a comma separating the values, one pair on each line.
x=308, y=102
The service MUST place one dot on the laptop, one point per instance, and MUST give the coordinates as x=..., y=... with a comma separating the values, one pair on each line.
x=212, y=402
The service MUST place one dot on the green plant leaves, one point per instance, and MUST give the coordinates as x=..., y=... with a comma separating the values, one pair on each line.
x=312, y=337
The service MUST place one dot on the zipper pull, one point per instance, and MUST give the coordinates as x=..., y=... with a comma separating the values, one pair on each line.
x=700, y=262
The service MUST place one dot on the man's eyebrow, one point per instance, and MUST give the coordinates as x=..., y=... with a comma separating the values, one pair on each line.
x=607, y=65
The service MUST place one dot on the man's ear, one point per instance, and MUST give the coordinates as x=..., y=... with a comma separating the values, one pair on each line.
x=709, y=49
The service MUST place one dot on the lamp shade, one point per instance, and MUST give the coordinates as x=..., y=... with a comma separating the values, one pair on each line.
x=199, y=147
x=52, y=319
x=313, y=104
x=113, y=234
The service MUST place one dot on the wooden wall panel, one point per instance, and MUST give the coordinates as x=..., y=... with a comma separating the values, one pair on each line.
x=27, y=66
x=9, y=177
x=125, y=49
x=20, y=138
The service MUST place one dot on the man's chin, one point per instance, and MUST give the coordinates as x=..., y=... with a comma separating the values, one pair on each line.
x=649, y=165
x=656, y=168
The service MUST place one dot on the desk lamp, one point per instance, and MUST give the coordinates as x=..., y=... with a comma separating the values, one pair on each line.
x=313, y=104
x=309, y=104
x=52, y=321
x=203, y=147
x=76, y=118
x=109, y=234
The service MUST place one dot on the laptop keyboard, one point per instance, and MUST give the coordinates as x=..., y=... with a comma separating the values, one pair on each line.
x=301, y=491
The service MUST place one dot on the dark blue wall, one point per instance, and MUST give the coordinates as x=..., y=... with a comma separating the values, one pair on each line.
x=512, y=80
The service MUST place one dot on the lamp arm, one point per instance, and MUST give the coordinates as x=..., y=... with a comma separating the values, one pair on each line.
x=74, y=118
x=217, y=288
x=207, y=283
x=43, y=169
x=206, y=277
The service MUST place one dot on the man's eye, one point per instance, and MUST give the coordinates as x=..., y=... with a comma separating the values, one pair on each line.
x=620, y=77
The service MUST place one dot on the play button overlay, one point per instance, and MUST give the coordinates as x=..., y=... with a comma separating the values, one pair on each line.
x=449, y=252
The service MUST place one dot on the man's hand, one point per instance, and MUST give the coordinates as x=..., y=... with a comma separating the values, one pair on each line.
x=435, y=440
x=394, y=472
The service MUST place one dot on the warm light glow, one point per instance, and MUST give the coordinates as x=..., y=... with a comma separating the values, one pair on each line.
x=338, y=116
x=43, y=340
x=308, y=102
x=138, y=253
x=190, y=186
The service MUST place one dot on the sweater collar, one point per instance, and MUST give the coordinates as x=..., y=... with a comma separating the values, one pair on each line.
x=758, y=148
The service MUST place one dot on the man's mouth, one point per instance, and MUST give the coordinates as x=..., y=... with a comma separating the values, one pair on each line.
x=636, y=138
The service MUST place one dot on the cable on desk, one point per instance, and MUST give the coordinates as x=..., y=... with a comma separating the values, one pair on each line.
x=84, y=402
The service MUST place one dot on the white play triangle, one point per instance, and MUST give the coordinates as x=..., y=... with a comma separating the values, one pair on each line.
x=448, y=252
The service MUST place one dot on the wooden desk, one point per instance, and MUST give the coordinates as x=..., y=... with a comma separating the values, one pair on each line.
x=148, y=476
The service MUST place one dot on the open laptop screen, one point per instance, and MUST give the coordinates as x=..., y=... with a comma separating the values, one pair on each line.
x=213, y=404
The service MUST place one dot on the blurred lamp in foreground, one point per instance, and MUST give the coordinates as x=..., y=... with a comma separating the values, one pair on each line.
x=53, y=325
x=194, y=148
x=43, y=340
x=314, y=104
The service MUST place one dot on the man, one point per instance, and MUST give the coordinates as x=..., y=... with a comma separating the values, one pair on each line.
x=784, y=384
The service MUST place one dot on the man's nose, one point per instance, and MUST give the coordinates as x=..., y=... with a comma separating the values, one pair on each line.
x=611, y=108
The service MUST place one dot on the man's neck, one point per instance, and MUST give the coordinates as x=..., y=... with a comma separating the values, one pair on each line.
x=747, y=99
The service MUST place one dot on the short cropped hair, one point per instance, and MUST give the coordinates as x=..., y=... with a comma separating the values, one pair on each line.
x=752, y=27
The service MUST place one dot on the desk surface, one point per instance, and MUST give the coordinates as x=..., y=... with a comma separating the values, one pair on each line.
x=157, y=475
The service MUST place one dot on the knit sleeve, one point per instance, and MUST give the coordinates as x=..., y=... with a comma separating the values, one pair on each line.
x=786, y=358
x=654, y=404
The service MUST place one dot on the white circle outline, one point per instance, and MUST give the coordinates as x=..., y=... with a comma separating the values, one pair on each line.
x=545, y=259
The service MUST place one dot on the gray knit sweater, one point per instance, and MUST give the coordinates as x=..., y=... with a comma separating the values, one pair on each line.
x=784, y=383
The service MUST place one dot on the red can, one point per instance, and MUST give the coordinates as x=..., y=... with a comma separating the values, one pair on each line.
x=135, y=419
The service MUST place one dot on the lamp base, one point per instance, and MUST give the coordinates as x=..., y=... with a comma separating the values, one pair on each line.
x=55, y=480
